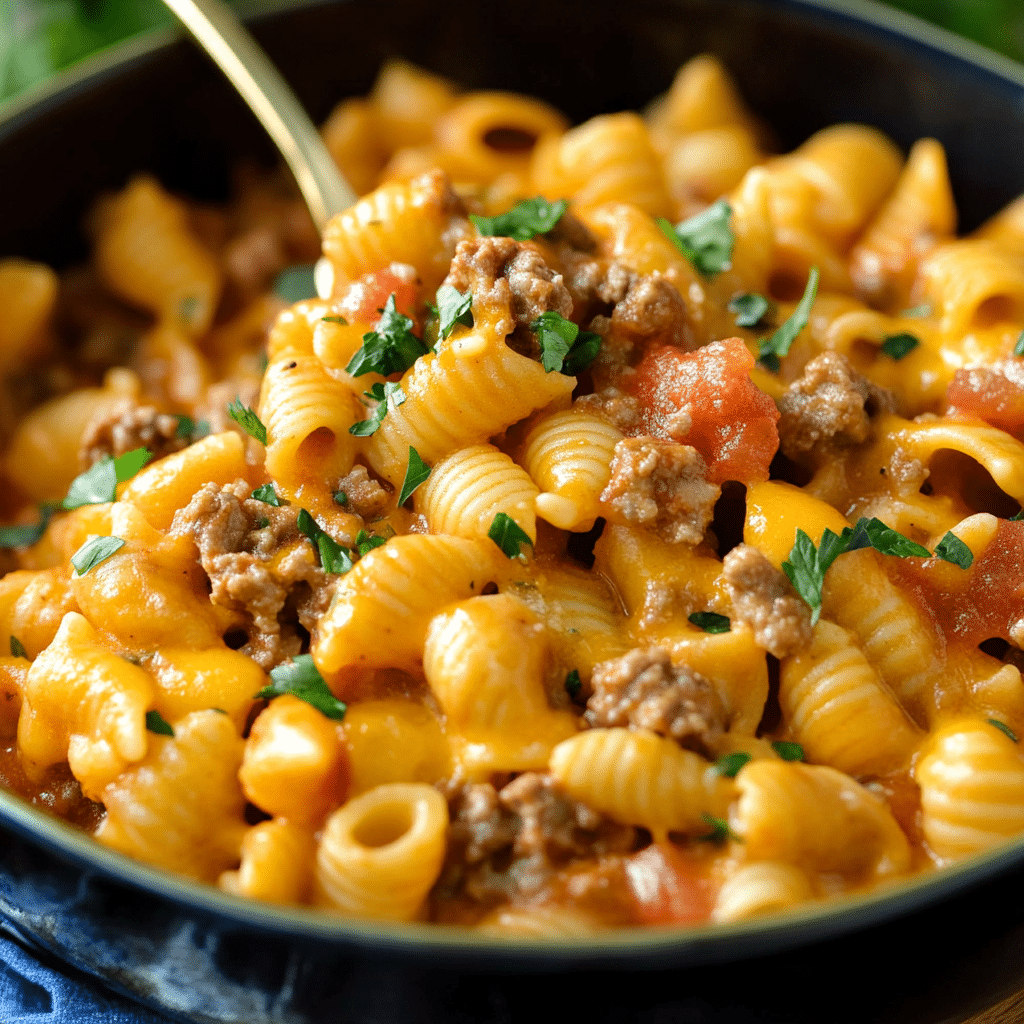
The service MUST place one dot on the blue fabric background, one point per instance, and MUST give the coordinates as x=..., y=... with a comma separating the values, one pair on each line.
x=36, y=988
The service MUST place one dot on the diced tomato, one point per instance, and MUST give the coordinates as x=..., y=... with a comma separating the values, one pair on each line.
x=366, y=297
x=733, y=422
x=994, y=394
x=668, y=887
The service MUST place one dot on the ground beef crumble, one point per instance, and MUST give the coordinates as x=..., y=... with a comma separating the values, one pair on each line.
x=644, y=690
x=364, y=496
x=258, y=563
x=830, y=402
x=762, y=599
x=125, y=426
x=661, y=485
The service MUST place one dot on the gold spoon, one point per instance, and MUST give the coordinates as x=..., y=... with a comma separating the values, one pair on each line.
x=219, y=32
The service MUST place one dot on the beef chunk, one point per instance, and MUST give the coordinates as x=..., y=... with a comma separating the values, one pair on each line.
x=364, y=497
x=762, y=599
x=126, y=426
x=653, y=308
x=644, y=690
x=662, y=485
x=619, y=409
x=258, y=563
x=831, y=402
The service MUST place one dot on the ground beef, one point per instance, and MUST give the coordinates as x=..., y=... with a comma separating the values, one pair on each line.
x=831, y=402
x=644, y=690
x=662, y=485
x=259, y=564
x=762, y=598
x=573, y=234
x=653, y=308
x=126, y=426
x=364, y=496
x=254, y=258
x=619, y=409
x=502, y=272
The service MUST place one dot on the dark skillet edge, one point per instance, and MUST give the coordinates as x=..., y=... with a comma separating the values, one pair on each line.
x=423, y=946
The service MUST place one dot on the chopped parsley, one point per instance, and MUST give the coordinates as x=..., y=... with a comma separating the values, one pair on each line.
x=896, y=346
x=94, y=551
x=416, y=473
x=453, y=308
x=952, y=549
x=720, y=830
x=751, y=309
x=366, y=542
x=386, y=396
x=302, y=679
x=267, y=494
x=729, y=764
x=340, y=498
x=155, y=722
x=17, y=648
x=247, y=420
x=1004, y=728
x=508, y=535
x=98, y=484
x=706, y=240
x=296, y=283
x=778, y=345
x=710, y=622
x=563, y=346
x=191, y=430
x=788, y=751
x=1018, y=349
x=262, y=523
x=573, y=683
x=335, y=320
x=807, y=565
x=333, y=557
x=27, y=535
x=390, y=347
x=526, y=219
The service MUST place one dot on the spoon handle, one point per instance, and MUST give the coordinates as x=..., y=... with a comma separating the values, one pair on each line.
x=238, y=55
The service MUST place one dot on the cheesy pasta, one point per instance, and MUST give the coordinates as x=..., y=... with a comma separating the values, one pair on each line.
x=629, y=533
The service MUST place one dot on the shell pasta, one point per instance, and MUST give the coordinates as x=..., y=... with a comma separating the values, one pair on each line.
x=634, y=509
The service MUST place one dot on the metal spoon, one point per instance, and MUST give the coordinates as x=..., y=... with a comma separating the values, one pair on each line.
x=247, y=67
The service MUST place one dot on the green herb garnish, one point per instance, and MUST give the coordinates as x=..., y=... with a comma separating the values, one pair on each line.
x=720, y=830
x=17, y=648
x=774, y=348
x=366, y=542
x=191, y=430
x=26, y=536
x=267, y=494
x=729, y=764
x=335, y=320
x=247, y=420
x=416, y=473
x=573, y=683
x=1018, y=349
x=385, y=395
x=390, y=347
x=1004, y=728
x=340, y=498
x=563, y=346
x=751, y=309
x=896, y=346
x=333, y=556
x=526, y=219
x=710, y=622
x=453, y=308
x=98, y=484
x=952, y=549
x=788, y=751
x=706, y=240
x=508, y=535
x=155, y=722
x=94, y=551
x=302, y=679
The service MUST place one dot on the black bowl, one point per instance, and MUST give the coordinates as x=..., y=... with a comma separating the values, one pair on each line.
x=934, y=950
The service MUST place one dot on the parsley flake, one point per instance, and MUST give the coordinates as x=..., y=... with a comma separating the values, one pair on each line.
x=17, y=648
x=526, y=219
x=563, y=346
x=896, y=346
x=952, y=549
x=98, y=484
x=453, y=308
x=335, y=320
x=333, y=556
x=788, y=751
x=267, y=494
x=720, y=830
x=1003, y=728
x=94, y=551
x=751, y=309
x=247, y=420
x=302, y=679
x=416, y=473
x=710, y=622
x=390, y=347
x=1018, y=349
x=386, y=395
x=508, y=535
x=729, y=764
x=26, y=535
x=573, y=683
x=366, y=542
x=262, y=523
x=340, y=498
x=191, y=430
x=778, y=345
x=155, y=722
x=706, y=240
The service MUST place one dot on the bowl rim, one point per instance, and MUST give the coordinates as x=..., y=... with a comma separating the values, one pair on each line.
x=464, y=946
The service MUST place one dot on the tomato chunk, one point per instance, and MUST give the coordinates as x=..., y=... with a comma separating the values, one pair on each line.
x=733, y=422
x=668, y=887
x=366, y=297
x=994, y=394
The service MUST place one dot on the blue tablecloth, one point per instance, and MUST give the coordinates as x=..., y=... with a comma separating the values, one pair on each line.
x=36, y=988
